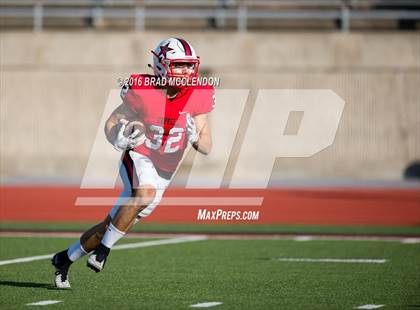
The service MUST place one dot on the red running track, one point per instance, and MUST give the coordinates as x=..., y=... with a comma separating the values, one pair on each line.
x=393, y=207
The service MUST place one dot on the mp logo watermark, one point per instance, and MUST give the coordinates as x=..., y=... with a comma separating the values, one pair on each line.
x=280, y=123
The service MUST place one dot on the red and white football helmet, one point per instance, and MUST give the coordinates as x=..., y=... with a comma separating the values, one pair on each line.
x=171, y=51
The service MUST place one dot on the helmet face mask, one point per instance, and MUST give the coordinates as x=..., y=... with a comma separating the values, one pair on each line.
x=175, y=58
x=183, y=68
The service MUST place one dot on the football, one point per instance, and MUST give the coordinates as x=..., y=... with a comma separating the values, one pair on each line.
x=133, y=126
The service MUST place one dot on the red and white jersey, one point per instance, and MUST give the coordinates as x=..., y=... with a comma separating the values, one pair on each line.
x=165, y=119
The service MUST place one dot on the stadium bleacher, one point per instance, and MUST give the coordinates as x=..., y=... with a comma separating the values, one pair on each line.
x=239, y=15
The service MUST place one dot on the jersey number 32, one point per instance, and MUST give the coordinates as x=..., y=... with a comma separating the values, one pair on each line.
x=171, y=145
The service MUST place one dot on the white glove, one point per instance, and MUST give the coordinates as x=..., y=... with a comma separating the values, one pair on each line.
x=123, y=143
x=192, y=133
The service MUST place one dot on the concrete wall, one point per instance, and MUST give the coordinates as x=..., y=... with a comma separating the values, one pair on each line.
x=54, y=87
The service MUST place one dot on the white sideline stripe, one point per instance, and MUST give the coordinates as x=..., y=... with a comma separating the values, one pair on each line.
x=158, y=242
x=332, y=260
x=206, y=304
x=118, y=247
x=370, y=306
x=232, y=236
x=407, y=240
x=179, y=201
x=411, y=240
x=303, y=238
x=25, y=259
x=44, y=303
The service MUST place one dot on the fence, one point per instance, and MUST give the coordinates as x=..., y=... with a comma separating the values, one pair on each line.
x=220, y=14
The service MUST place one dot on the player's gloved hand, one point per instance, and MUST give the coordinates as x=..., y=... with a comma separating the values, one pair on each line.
x=137, y=135
x=192, y=133
x=123, y=142
x=136, y=141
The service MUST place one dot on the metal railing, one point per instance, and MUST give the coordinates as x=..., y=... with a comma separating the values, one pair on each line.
x=241, y=11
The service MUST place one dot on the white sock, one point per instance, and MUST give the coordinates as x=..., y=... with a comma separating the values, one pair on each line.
x=111, y=236
x=76, y=251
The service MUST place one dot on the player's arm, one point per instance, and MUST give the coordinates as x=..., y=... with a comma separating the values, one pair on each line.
x=203, y=143
x=115, y=125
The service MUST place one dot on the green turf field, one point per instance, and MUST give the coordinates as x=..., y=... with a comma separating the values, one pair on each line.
x=242, y=274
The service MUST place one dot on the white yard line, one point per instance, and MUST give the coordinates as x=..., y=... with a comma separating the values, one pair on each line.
x=44, y=303
x=332, y=260
x=206, y=304
x=370, y=306
x=118, y=247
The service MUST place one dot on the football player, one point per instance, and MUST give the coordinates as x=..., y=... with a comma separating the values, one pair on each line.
x=172, y=115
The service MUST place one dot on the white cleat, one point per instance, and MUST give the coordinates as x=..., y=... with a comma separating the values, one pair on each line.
x=96, y=263
x=61, y=281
